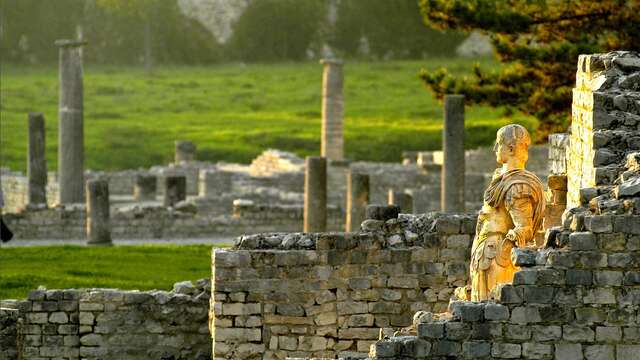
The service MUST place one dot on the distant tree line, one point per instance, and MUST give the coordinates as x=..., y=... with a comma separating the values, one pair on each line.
x=131, y=31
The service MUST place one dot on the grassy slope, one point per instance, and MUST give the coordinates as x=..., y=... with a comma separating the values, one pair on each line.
x=233, y=112
x=126, y=267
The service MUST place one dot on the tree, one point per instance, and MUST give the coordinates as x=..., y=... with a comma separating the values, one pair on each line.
x=539, y=42
x=142, y=9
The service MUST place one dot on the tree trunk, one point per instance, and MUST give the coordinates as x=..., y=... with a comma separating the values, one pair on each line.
x=148, y=43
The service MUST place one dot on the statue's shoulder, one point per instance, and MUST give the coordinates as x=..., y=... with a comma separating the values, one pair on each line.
x=524, y=183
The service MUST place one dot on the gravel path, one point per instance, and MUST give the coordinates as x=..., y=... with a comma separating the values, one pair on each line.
x=117, y=242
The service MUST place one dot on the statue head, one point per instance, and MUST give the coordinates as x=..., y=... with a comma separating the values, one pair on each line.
x=512, y=144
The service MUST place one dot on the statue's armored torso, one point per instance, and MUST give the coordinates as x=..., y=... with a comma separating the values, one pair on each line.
x=512, y=213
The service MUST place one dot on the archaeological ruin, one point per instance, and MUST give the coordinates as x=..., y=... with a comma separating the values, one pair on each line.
x=348, y=259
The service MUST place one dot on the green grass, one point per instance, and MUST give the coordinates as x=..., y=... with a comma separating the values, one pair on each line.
x=233, y=112
x=126, y=267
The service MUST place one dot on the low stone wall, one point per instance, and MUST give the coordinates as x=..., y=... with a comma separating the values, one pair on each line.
x=328, y=294
x=158, y=222
x=112, y=324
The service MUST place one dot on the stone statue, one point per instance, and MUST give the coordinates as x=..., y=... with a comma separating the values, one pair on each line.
x=511, y=215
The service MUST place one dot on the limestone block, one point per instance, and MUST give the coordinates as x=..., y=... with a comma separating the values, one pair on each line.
x=577, y=333
x=599, y=352
x=358, y=333
x=498, y=312
x=237, y=334
x=432, y=330
x=476, y=349
x=506, y=350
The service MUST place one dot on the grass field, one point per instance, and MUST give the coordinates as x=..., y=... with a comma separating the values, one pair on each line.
x=126, y=267
x=233, y=112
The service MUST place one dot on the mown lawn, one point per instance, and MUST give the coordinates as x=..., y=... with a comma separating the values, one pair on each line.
x=126, y=267
x=233, y=112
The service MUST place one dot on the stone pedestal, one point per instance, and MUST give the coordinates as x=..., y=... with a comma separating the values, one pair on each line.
x=175, y=190
x=315, y=195
x=403, y=200
x=144, y=188
x=98, y=227
x=71, y=128
x=357, y=200
x=185, y=151
x=453, y=168
x=214, y=183
x=332, y=140
x=36, y=162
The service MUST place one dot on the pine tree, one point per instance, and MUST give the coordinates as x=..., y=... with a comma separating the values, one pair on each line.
x=539, y=42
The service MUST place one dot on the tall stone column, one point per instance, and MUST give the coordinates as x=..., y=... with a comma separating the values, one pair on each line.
x=71, y=127
x=332, y=142
x=357, y=200
x=403, y=200
x=175, y=189
x=452, y=196
x=98, y=227
x=315, y=194
x=185, y=151
x=144, y=188
x=37, y=163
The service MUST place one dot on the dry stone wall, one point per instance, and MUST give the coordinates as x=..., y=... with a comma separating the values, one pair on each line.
x=328, y=294
x=576, y=302
x=109, y=324
x=158, y=222
x=605, y=120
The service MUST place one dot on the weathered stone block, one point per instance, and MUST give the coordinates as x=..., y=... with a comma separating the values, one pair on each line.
x=608, y=334
x=599, y=352
x=536, y=351
x=627, y=352
x=578, y=277
x=446, y=348
x=568, y=352
x=498, y=312
x=582, y=241
x=608, y=278
x=476, y=349
x=506, y=350
x=433, y=330
x=575, y=333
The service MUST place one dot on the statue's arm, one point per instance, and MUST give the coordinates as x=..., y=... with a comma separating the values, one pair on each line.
x=519, y=203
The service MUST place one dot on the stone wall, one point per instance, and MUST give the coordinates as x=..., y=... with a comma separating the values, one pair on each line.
x=328, y=294
x=558, y=144
x=605, y=119
x=158, y=222
x=8, y=334
x=576, y=302
x=111, y=324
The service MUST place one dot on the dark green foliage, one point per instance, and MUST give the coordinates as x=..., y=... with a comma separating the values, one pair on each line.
x=272, y=30
x=539, y=41
x=30, y=27
x=392, y=28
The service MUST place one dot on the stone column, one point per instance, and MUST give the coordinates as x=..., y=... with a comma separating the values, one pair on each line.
x=185, y=151
x=214, y=182
x=98, y=227
x=315, y=194
x=332, y=142
x=37, y=163
x=144, y=187
x=453, y=171
x=175, y=189
x=71, y=127
x=403, y=200
x=357, y=200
